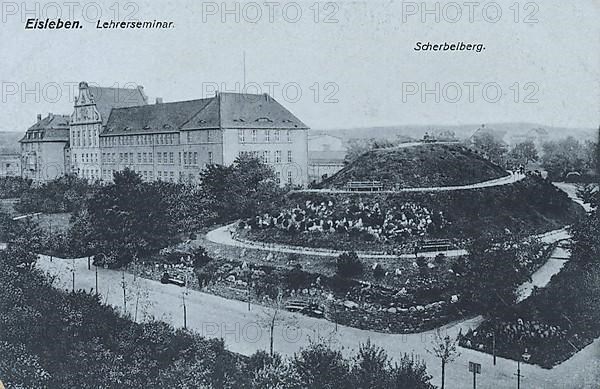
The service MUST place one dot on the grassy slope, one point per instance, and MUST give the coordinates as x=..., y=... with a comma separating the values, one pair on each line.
x=526, y=207
x=426, y=165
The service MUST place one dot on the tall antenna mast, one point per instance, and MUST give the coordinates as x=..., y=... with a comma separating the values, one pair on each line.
x=244, y=67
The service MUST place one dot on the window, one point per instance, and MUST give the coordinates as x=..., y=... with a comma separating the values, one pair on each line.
x=131, y=157
x=210, y=157
x=180, y=158
x=159, y=175
x=289, y=153
x=241, y=137
x=277, y=136
x=126, y=158
x=210, y=136
x=289, y=174
x=139, y=157
x=289, y=136
x=171, y=157
x=265, y=157
x=189, y=136
x=267, y=136
x=253, y=135
x=159, y=158
x=172, y=176
x=278, y=156
x=195, y=158
x=150, y=157
x=278, y=178
x=185, y=158
x=144, y=157
x=151, y=175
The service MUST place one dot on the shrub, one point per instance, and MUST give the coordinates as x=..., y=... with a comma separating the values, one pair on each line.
x=378, y=271
x=440, y=259
x=297, y=278
x=200, y=257
x=349, y=265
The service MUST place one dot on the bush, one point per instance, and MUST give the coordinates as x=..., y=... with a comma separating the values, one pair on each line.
x=200, y=257
x=440, y=259
x=297, y=278
x=349, y=265
x=378, y=271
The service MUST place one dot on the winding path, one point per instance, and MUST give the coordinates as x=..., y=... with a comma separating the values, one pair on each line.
x=509, y=179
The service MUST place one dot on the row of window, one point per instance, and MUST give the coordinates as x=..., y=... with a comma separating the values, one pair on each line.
x=148, y=175
x=185, y=158
x=139, y=140
x=263, y=136
x=266, y=157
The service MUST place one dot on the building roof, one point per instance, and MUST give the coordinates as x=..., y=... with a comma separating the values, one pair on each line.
x=225, y=110
x=52, y=128
x=108, y=98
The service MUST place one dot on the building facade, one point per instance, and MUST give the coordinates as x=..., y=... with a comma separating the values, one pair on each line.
x=111, y=129
x=176, y=141
x=45, y=153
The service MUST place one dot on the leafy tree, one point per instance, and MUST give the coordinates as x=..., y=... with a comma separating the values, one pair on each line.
x=349, y=265
x=563, y=156
x=446, y=349
x=491, y=277
x=490, y=145
x=524, y=152
x=371, y=367
x=320, y=367
x=124, y=227
x=245, y=189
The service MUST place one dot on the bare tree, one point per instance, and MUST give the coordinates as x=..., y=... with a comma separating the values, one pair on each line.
x=446, y=349
x=273, y=317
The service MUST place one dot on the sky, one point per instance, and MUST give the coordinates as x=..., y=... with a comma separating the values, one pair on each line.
x=335, y=65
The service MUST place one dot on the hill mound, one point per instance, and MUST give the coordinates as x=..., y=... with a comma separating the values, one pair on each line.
x=382, y=221
x=417, y=166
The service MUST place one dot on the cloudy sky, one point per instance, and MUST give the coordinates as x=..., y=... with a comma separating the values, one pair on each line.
x=335, y=65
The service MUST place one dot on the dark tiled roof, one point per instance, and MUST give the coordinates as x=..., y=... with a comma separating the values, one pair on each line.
x=255, y=111
x=226, y=110
x=51, y=128
x=108, y=98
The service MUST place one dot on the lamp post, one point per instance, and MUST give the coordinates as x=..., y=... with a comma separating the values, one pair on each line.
x=525, y=356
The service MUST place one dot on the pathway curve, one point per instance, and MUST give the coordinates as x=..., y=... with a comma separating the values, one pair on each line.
x=223, y=235
x=506, y=180
x=243, y=331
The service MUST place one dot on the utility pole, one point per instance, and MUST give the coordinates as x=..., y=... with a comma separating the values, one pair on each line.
x=518, y=374
x=124, y=291
x=494, y=346
x=96, y=279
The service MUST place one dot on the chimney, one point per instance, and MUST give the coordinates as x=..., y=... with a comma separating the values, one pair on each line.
x=39, y=117
x=159, y=100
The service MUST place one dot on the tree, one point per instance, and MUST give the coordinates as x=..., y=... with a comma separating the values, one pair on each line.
x=320, y=367
x=349, y=265
x=245, y=189
x=491, y=277
x=524, y=152
x=371, y=367
x=446, y=349
x=490, y=145
x=124, y=227
x=563, y=156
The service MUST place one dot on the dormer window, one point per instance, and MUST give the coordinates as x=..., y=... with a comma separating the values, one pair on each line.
x=264, y=120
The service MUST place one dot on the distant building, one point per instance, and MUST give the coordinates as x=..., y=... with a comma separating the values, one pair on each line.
x=538, y=136
x=10, y=165
x=175, y=141
x=326, y=154
x=45, y=148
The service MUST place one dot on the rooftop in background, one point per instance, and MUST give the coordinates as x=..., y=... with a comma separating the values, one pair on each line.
x=52, y=128
x=225, y=110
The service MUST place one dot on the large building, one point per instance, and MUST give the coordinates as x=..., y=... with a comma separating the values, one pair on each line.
x=175, y=141
x=45, y=153
x=111, y=129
